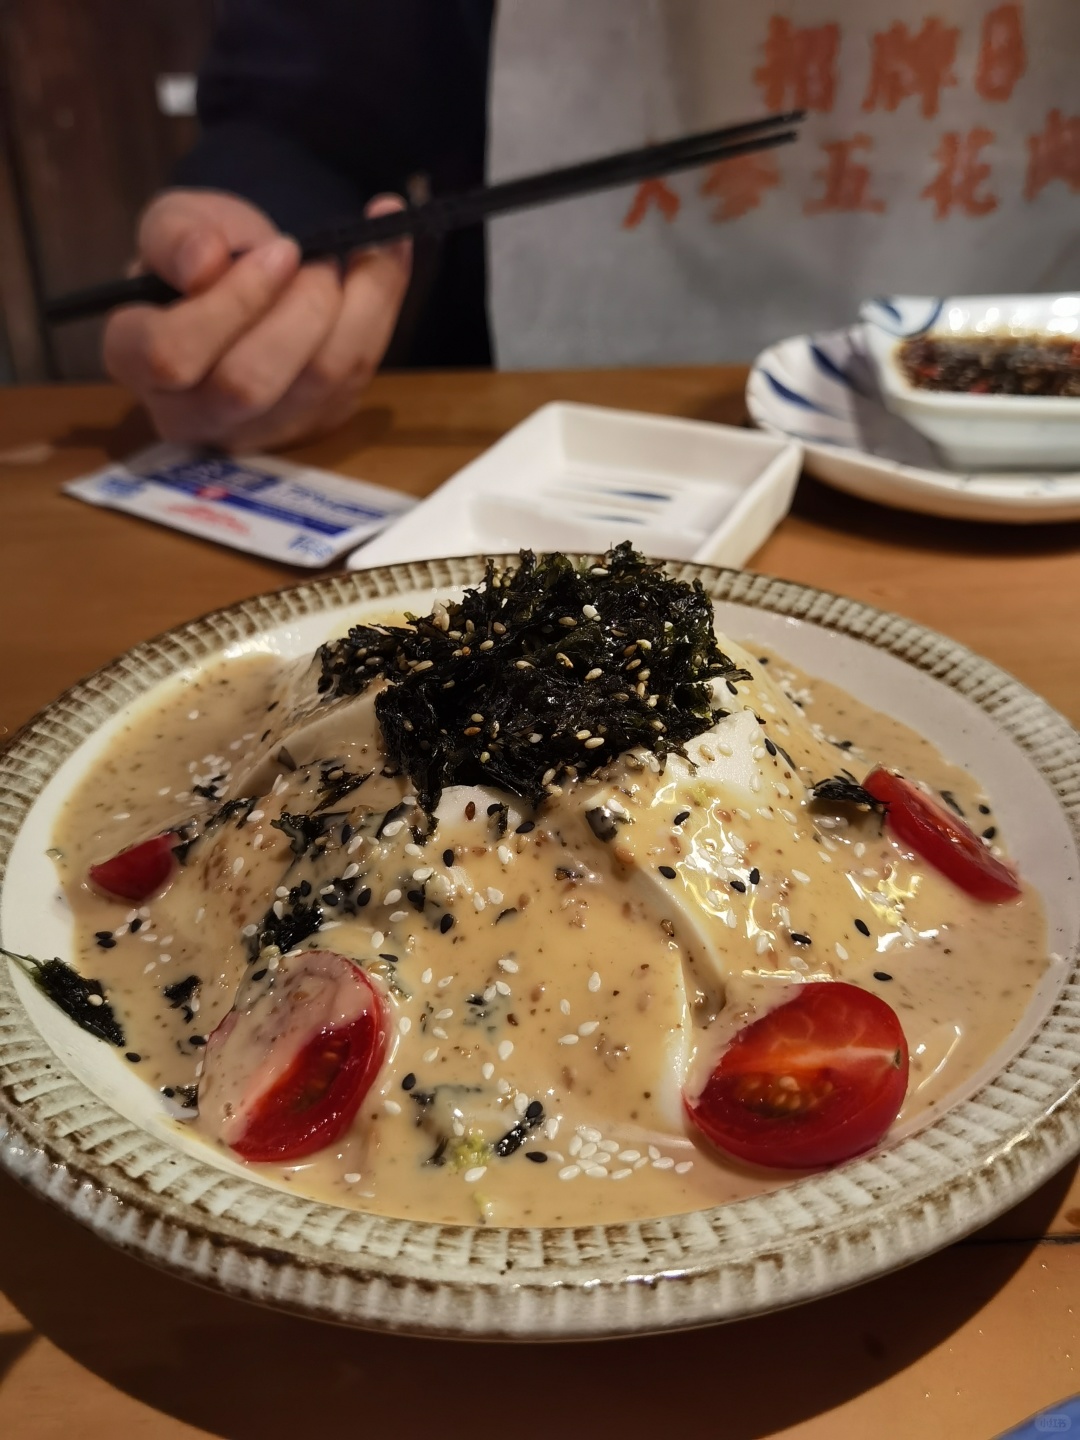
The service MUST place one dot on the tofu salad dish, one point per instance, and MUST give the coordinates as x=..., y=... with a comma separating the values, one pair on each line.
x=551, y=906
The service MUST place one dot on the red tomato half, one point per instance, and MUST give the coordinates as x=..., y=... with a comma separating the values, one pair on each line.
x=814, y=1082
x=942, y=839
x=137, y=872
x=286, y=1077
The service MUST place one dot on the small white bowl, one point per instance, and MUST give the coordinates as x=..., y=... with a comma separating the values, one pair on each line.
x=988, y=432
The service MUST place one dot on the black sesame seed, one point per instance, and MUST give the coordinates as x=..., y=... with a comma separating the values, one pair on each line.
x=769, y=746
x=409, y=1081
x=362, y=898
x=390, y=959
x=862, y=927
x=197, y=1040
x=668, y=872
x=739, y=886
x=305, y=888
x=446, y=923
x=538, y=1157
x=135, y=926
x=800, y=939
x=984, y=809
x=523, y=829
x=346, y=833
x=494, y=809
x=133, y=1056
x=260, y=974
x=448, y=857
x=952, y=802
x=989, y=832
x=882, y=975
x=681, y=816
x=534, y=1110
x=754, y=876
x=106, y=942
x=733, y=687
x=168, y=1091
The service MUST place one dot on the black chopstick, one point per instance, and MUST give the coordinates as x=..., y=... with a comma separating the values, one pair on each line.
x=440, y=215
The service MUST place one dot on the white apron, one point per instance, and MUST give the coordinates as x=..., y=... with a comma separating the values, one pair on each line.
x=941, y=155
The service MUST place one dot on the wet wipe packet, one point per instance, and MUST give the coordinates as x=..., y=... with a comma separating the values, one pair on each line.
x=258, y=503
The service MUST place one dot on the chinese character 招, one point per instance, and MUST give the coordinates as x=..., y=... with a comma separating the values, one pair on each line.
x=799, y=67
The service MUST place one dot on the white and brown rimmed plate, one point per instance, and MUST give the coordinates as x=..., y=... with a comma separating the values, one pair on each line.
x=78, y=1127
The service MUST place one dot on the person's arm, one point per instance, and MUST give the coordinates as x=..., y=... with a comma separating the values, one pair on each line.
x=261, y=352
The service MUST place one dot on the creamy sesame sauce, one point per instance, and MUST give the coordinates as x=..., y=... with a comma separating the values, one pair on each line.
x=597, y=957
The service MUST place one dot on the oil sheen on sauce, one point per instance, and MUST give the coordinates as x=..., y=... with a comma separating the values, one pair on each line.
x=575, y=972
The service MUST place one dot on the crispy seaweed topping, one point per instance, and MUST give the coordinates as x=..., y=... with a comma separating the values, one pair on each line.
x=82, y=1000
x=335, y=782
x=845, y=790
x=544, y=672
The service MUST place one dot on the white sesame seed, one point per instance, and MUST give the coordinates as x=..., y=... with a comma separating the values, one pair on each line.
x=164, y=790
x=596, y=1172
x=495, y=896
x=199, y=914
x=594, y=981
x=843, y=954
x=487, y=1070
x=354, y=844
x=588, y=1027
x=424, y=872
x=503, y=1087
x=397, y=915
x=404, y=1025
x=860, y=850
x=256, y=815
x=439, y=1033
x=551, y=1127
x=352, y=1178
x=350, y=870
x=801, y=876
x=377, y=938
x=391, y=829
x=594, y=673
x=568, y=1039
x=590, y=612
x=588, y=1150
x=509, y=965
x=412, y=848
x=501, y=987
x=238, y=864
x=249, y=930
x=654, y=1153
x=574, y=1148
x=789, y=817
x=609, y=1147
x=96, y=999
x=444, y=982
x=683, y=1166
x=193, y=714
x=664, y=1163
x=479, y=903
x=391, y=1107
x=147, y=968
x=490, y=993
x=506, y=1049
x=621, y=1174
x=569, y=1172
x=475, y=1173
x=627, y=1156
x=445, y=1013
x=430, y=1056
x=391, y=897
x=564, y=1006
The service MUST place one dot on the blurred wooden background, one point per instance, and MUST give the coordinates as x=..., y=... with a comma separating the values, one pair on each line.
x=85, y=140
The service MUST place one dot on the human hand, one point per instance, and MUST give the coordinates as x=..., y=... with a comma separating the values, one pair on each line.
x=261, y=351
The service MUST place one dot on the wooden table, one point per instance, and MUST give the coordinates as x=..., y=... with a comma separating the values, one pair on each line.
x=93, y=1344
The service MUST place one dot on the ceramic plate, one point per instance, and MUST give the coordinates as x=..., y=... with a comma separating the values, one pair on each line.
x=77, y=1127
x=822, y=390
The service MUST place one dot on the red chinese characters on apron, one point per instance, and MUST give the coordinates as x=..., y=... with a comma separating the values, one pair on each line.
x=941, y=156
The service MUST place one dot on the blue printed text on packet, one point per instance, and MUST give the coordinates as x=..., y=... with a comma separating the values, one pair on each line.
x=261, y=504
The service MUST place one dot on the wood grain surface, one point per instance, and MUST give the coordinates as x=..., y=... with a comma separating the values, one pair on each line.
x=94, y=1344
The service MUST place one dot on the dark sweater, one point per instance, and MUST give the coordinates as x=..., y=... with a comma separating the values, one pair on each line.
x=310, y=107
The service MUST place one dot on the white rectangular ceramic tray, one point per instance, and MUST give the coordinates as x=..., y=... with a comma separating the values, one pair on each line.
x=581, y=477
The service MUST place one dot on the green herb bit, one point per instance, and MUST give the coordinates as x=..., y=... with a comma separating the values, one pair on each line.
x=544, y=672
x=80, y=999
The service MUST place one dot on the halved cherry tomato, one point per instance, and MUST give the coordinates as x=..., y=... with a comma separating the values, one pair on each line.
x=285, y=1077
x=814, y=1082
x=137, y=872
x=941, y=838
